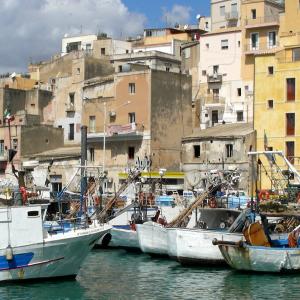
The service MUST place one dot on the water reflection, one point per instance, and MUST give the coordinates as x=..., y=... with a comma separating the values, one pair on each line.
x=116, y=274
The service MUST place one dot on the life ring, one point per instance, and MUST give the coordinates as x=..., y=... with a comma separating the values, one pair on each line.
x=212, y=203
x=264, y=195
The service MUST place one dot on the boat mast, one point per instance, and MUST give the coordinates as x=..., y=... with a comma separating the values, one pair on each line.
x=83, y=181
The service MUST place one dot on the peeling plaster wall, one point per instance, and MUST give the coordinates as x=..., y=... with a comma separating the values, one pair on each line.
x=171, y=117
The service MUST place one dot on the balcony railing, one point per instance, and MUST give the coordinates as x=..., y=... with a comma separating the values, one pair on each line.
x=262, y=20
x=233, y=15
x=214, y=78
x=254, y=48
x=213, y=99
x=124, y=129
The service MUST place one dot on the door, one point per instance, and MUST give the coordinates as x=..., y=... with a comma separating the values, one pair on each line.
x=214, y=117
x=254, y=41
x=290, y=151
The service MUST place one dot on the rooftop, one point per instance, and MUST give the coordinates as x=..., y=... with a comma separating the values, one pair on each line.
x=234, y=130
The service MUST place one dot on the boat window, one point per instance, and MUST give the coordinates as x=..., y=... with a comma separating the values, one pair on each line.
x=33, y=213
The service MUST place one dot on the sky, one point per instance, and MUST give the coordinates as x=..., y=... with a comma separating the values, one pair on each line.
x=31, y=30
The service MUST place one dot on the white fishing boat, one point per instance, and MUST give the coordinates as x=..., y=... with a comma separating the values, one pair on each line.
x=29, y=251
x=152, y=238
x=194, y=245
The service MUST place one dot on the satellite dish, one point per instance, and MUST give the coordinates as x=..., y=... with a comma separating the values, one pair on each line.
x=198, y=17
x=66, y=35
x=13, y=75
x=186, y=26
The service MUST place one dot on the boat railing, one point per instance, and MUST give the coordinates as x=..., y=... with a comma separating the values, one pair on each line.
x=70, y=224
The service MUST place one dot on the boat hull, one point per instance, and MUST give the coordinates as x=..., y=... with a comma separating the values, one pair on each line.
x=152, y=238
x=59, y=255
x=194, y=246
x=124, y=238
x=262, y=259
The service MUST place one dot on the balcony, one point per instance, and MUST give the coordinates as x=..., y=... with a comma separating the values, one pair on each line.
x=260, y=48
x=213, y=100
x=272, y=20
x=130, y=131
x=232, y=16
x=214, y=78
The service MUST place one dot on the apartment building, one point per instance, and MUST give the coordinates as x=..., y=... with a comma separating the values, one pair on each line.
x=225, y=13
x=277, y=94
x=135, y=117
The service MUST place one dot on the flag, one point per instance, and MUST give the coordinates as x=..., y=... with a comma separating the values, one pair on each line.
x=8, y=116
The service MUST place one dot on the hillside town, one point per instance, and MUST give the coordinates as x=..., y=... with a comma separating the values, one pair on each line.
x=188, y=99
x=179, y=142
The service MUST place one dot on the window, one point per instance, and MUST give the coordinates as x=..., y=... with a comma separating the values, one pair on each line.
x=216, y=94
x=72, y=99
x=240, y=116
x=270, y=70
x=224, y=44
x=229, y=150
x=33, y=213
x=290, y=151
x=216, y=69
x=131, y=117
x=1, y=147
x=130, y=152
x=296, y=54
x=131, y=88
x=214, y=117
x=290, y=124
x=71, y=132
x=167, y=69
x=15, y=144
x=88, y=47
x=239, y=44
x=92, y=154
x=272, y=39
x=102, y=51
x=206, y=25
x=234, y=7
x=290, y=89
x=78, y=71
x=239, y=92
x=196, y=151
x=270, y=104
x=254, y=41
x=222, y=11
x=92, y=123
x=207, y=45
x=253, y=14
x=203, y=72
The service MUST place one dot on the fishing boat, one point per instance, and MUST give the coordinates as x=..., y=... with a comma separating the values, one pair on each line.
x=259, y=253
x=194, y=245
x=29, y=251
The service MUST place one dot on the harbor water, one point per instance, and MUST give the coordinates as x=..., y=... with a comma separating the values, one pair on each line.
x=117, y=274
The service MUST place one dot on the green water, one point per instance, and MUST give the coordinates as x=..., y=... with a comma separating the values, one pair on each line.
x=116, y=274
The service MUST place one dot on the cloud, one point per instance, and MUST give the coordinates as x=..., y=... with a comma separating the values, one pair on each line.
x=178, y=14
x=32, y=29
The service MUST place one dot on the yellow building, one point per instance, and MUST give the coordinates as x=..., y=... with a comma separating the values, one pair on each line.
x=277, y=92
x=260, y=25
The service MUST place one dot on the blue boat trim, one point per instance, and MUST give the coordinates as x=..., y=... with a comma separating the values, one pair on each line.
x=30, y=265
x=22, y=259
x=126, y=227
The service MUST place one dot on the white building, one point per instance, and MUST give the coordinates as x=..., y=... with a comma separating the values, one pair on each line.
x=77, y=43
x=223, y=97
x=225, y=13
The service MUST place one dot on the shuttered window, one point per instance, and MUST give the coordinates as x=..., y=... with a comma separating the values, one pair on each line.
x=290, y=124
x=290, y=89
